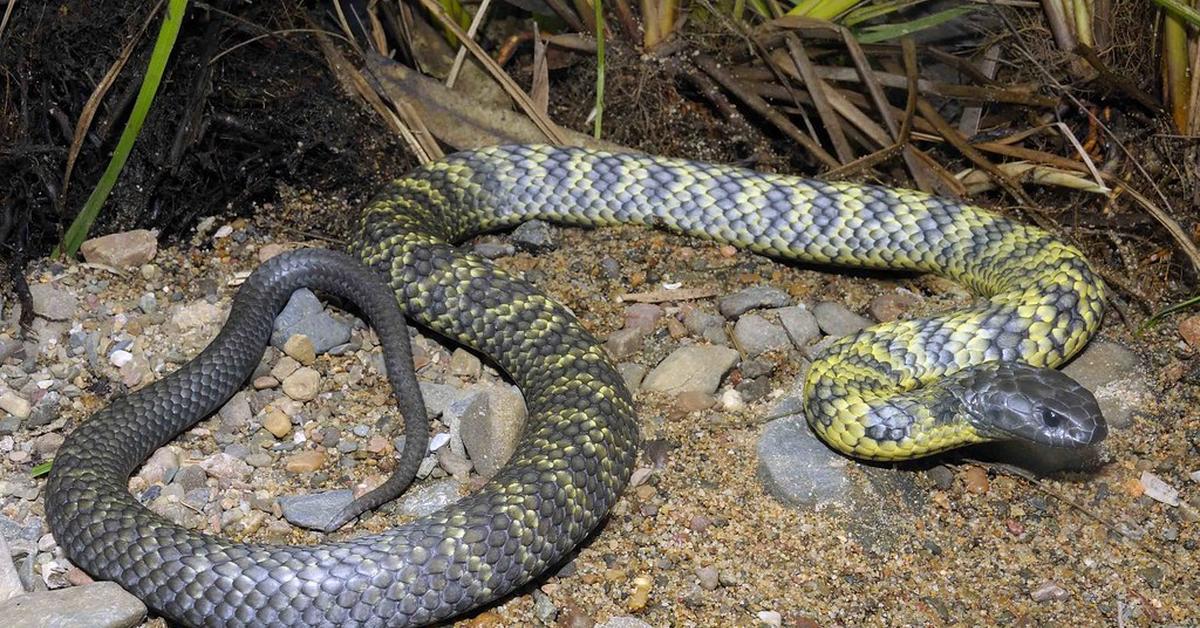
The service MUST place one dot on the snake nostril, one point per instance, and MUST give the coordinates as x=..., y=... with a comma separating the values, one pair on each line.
x=1051, y=418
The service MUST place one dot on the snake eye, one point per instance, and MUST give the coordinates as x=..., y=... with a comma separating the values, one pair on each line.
x=1051, y=418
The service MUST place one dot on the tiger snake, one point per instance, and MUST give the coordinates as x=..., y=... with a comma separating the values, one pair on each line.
x=898, y=390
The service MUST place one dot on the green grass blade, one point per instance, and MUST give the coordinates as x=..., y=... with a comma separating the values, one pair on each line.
x=1161, y=314
x=41, y=469
x=78, y=231
x=876, y=10
x=886, y=32
x=1181, y=10
x=823, y=9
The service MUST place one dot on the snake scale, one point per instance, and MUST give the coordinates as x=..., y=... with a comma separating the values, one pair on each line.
x=897, y=390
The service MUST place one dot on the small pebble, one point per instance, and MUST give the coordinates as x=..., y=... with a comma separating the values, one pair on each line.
x=837, y=321
x=305, y=461
x=277, y=423
x=224, y=466
x=1158, y=490
x=892, y=305
x=303, y=384
x=693, y=401
x=315, y=510
x=976, y=480
x=1049, y=591
x=731, y=401
x=1189, y=328
x=709, y=580
x=643, y=316
x=543, y=607
x=748, y=299
x=942, y=476
x=454, y=464
x=691, y=368
x=463, y=363
x=284, y=367
x=15, y=405
x=129, y=249
x=300, y=349
x=534, y=236
x=270, y=250
x=641, y=593
x=494, y=250
x=755, y=335
x=624, y=343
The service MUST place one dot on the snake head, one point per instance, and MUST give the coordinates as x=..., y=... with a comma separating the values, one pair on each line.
x=1011, y=401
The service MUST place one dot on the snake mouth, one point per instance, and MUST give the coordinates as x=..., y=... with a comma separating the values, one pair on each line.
x=1009, y=401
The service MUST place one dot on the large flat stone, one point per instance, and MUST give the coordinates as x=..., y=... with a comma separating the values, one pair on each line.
x=691, y=369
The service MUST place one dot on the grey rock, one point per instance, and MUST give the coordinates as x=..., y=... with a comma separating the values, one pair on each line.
x=633, y=375
x=10, y=580
x=237, y=450
x=707, y=326
x=534, y=236
x=942, y=476
x=9, y=425
x=491, y=438
x=544, y=607
x=709, y=578
x=494, y=250
x=128, y=249
x=800, y=324
x=624, y=343
x=96, y=605
x=754, y=389
x=30, y=531
x=837, y=321
x=429, y=498
x=455, y=464
x=438, y=396
x=197, y=498
x=148, y=303
x=748, y=299
x=304, y=314
x=190, y=477
x=224, y=466
x=53, y=303
x=798, y=469
x=469, y=407
x=756, y=335
x=315, y=510
x=47, y=444
x=691, y=369
x=1115, y=376
x=643, y=316
x=236, y=412
x=756, y=367
x=161, y=467
x=610, y=268
x=259, y=460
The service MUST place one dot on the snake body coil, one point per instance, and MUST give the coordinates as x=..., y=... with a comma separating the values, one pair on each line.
x=897, y=390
